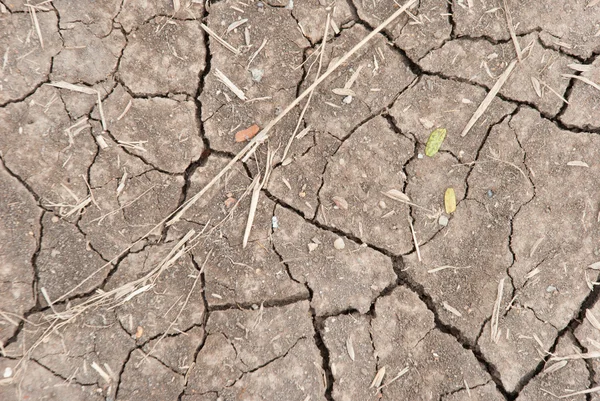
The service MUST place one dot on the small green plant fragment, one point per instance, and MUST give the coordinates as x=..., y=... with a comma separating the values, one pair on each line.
x=434, y=143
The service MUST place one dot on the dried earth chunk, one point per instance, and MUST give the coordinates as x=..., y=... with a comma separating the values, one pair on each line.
x=19, y=235
x=148, y=379
x=97, y=16
x=351, y=357
x=304, y=174
x=573, y=376
x=474, y=255
x=163, y=132
x=245, y=349
x=164, y=58
x=340, y=279
x=405, y=336
x=65, y=259
x=552, y=253
x=135, y=13
x=522, y=342
x=25, y=65
x=156, y=308
x=367, y=165
x=86, y=58
x=39, y=146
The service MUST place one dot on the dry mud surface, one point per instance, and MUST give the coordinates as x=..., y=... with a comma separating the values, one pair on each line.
x=115, y=113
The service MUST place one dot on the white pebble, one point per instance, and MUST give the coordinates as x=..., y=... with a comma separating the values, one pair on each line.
x=8, y=372
x=443, y=221
x=339, y=243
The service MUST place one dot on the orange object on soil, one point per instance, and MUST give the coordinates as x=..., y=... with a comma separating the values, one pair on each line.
x=247, y=134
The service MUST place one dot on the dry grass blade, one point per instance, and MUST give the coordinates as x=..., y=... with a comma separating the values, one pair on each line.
x=581, y=67
x=554, y=92
x=36, y=23
x=451, y=309
x=353, y=78
x=489, y=98
x=496, y=311
x=583, y=79
x=378, y=378
x=536, y=86
x=577, y=163
x=228, y=83
x=594, y=266
x=400, y=197
x=101, y=372
x=236, y=24
x=511, y=30
x=220, y=40
x=437, y=269
x=350, y=348
x=253, y=204
x=587, y=355
x=399, y=375
x=555, y=367
x=588, y=391
x=592, y=319
x=75, y=88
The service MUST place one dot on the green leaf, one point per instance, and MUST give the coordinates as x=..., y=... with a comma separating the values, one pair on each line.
x=434, y=143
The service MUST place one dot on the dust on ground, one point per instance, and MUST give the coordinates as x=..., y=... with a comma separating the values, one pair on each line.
x=356, y=281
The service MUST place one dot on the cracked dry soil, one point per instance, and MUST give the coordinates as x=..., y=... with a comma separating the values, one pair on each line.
x=291, y=316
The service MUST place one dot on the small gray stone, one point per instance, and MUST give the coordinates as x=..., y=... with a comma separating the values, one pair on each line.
x=443, y=221
x=257, y=74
